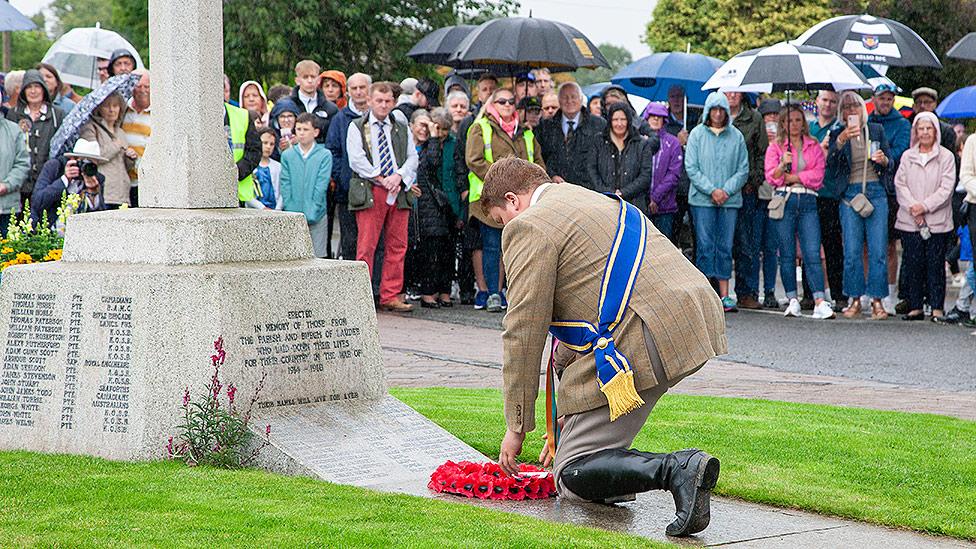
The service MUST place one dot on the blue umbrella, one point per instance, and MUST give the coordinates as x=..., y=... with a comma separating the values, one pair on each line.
x=595, y=89
x=959, y=104
x=13, y=20
x=64, y=139
x=651, y=77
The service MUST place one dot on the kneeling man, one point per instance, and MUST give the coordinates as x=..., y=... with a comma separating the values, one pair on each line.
x=632, y=316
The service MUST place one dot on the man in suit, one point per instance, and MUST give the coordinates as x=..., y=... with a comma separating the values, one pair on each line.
x=623, y=341
x=569, y=136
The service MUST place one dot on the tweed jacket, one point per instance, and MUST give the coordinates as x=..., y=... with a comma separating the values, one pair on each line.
x=555, y=253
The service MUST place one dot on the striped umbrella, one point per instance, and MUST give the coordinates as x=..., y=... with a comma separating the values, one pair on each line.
x=869, y=39
x=784, y=67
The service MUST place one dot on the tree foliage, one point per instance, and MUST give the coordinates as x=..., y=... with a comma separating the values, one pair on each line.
x=617, y=56
x=28, y=47
x=70, y=14
x=723, y=28
x=741, y=27
x=263, y=40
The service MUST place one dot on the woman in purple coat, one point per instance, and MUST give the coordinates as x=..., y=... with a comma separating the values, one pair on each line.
x=668, y=162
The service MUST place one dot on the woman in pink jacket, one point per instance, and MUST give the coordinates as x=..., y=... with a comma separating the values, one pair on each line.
x=795, y=165
x=924, y=185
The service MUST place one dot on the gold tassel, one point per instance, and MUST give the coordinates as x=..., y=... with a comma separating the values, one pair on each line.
x=621, y=395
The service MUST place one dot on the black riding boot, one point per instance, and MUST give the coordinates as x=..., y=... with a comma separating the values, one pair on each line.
x=689, y=475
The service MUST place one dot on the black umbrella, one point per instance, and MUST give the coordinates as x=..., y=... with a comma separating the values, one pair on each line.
x=965, y=48
x=869, y=39
x=516, y=44
x=439, y=45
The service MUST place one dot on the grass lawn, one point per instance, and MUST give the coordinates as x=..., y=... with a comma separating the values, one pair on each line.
x=906, y=470
x=69, y=501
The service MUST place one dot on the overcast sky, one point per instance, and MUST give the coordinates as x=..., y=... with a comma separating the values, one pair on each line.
x=619, y=22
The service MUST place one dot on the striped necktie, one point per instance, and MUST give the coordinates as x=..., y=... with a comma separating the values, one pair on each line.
x=386, y=159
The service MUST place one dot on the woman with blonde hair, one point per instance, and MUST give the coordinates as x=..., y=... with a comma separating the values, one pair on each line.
x=252, y=97
x=858, y=160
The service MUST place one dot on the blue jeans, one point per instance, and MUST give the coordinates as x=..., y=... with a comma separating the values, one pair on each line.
x=491, y=258
x=800, y=220
x=664, y=223
x=767, y=241
x=747, y=248
x=714, y=235
x=872, y=230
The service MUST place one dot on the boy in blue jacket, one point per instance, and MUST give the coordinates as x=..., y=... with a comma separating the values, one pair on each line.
x=305, y=173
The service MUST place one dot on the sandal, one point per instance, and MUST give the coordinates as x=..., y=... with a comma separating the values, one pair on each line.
x=853, y=310
x=877, y=310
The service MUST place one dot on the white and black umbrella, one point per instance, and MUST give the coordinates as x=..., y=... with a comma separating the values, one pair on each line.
x=870, y=39
x=964, y=49
x=784, y=67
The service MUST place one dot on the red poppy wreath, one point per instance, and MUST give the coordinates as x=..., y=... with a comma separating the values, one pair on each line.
x=487, y=481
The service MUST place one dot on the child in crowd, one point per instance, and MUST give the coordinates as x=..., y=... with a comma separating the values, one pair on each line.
x=305, y=172
x=268, y=172
x=310, y=98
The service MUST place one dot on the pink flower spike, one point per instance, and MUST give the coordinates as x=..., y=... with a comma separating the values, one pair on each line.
x=186, y=398
x=231, y=390
x=267, y=431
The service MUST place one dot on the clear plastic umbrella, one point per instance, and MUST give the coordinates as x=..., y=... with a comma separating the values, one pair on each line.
x=76, y=54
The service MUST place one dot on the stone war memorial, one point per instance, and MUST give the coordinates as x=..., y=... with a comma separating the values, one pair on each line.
x=99, y=347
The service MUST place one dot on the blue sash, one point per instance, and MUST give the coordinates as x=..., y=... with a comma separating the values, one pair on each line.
x=613, y=371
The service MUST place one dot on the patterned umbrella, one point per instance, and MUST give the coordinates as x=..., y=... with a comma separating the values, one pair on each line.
x=870, y=39
x=67, y=134
x=785, y=66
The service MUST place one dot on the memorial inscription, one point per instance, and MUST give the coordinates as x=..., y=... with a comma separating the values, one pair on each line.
x=302, y=342
x=115, y=314
x=33, y=336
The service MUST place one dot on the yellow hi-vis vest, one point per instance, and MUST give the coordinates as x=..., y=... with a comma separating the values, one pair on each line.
x=475, y=184
x=238, y=120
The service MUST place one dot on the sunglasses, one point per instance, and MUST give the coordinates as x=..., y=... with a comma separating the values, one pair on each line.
x=504, y=101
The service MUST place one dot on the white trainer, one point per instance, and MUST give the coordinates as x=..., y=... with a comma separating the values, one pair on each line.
x=824, y=311
x=793, y=309
x=889, y=305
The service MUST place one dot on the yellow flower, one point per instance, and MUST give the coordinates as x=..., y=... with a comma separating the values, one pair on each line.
x=24, y=258
x=53, y=255
x=6, y=250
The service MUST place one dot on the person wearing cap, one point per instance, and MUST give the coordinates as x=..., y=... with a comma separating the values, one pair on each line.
x=530, y=111
x=40, y=120
x=14, y=167
x=898, y=130
x=667, y=165
x=121, y=62
x=333, y=86
x=455, y=82
x=64, y=175
x=525, y=86
x=926, y=100
x=424, y=96
x=568, y=138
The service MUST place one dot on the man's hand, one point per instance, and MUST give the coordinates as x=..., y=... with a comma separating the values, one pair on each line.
x=511, y=448
x=683, y=137
x=545, y=457
x=71, y=170
x=652, y=207
x=91, y=183
x=416, y=191
x=392, y=182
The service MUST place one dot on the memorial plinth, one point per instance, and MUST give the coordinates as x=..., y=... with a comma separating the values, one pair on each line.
x=98, y=348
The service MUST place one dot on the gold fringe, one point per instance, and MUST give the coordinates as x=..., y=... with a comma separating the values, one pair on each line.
x=621, y=395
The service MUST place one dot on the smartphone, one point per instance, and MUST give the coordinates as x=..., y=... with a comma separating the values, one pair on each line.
x=286, y=132
x=771, y=128
x=853, y=121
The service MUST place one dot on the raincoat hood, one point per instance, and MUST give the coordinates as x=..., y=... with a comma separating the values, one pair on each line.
x=33, y=76
x=932, y=119
x=119, y=54
x=603, y=97
x=457, y=80
x=240, y=92
x=717, y=99
x=285, y=104
x=340, y=78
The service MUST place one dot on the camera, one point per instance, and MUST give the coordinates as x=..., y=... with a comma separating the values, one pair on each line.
x=87, y=167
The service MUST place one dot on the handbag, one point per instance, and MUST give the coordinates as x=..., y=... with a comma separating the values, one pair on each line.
x=860, y=203
x=777, y=206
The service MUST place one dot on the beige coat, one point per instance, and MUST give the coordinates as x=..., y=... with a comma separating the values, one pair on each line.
x=112, y=143
x=555, y=253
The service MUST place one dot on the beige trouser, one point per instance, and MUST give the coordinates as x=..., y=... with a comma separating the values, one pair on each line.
x=592, y=431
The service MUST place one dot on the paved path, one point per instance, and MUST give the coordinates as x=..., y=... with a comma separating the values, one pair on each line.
x=426, y=353
x=420, y=352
